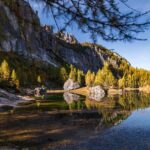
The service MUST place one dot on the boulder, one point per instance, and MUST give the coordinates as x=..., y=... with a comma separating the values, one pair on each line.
x=39, y=91
x=70, y=85
x=96, y=93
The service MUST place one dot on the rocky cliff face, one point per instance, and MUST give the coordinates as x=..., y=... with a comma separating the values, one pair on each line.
x=21, y=32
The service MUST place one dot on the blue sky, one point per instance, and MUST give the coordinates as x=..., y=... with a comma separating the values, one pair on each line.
x=136, y=52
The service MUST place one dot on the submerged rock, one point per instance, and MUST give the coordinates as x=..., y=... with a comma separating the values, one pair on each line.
x=70, y=98
x=70, y=85
x=96, y=93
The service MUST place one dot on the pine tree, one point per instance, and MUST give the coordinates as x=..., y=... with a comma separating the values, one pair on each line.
x=14, y=79
x=39, y=80
x=13, y=76
x=111, y=80
x=5, y=70
x=73, y=73
x=105, y=77
x=92, y=78
x=0, y=74
x=129, y=81
x=98, y=79
x=121, y=82
x=88, y=78
x=63, y=74
x=79, y=77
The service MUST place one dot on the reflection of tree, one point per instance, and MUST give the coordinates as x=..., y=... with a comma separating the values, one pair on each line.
x=78, y=105
x=109, y=110
x=115, y=109
x=29, y=125
x=74, y=101
x=112, y=110
x=132, y=101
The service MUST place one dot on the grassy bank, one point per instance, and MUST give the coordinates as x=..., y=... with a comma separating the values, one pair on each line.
x=85, y=91
x=145, y=89
x=56, y=91
x=81, y=91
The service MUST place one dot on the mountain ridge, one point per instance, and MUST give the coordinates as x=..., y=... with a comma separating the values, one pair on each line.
x=34, y=55
x=25, y=36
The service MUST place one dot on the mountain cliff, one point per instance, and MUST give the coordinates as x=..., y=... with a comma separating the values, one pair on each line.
x=22, y=34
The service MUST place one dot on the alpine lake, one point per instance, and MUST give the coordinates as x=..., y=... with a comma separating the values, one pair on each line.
x=73, y=122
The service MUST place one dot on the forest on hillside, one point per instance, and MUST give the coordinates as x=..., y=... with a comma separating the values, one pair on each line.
x=128, y=76
x=18, y=74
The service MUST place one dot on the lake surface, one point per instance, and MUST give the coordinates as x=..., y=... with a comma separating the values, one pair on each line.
x=73, y=122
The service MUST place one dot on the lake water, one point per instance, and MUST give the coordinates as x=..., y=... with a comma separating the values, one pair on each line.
x=73, y=122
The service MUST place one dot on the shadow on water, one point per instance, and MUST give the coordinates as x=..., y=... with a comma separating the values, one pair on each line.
x=64, y=119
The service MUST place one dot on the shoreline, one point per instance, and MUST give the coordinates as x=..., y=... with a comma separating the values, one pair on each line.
x=112, y=91
x=13, y=99
x=81, y=91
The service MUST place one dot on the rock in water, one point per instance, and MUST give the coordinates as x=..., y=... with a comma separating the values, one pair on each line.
x=39, y=91
x=96, y=93
x=70, y=85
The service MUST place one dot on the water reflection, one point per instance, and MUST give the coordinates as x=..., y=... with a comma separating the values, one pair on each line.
x=70, y=98
x=64, y=119
x=96, y=97
x=74, y=101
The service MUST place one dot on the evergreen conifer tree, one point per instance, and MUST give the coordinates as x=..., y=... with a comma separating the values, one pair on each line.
x=14, y=79
x=5, y=70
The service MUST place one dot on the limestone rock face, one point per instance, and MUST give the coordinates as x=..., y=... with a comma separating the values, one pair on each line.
x=96, y=93
x=22, y=33
x=70, y=85
x=67, y=38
